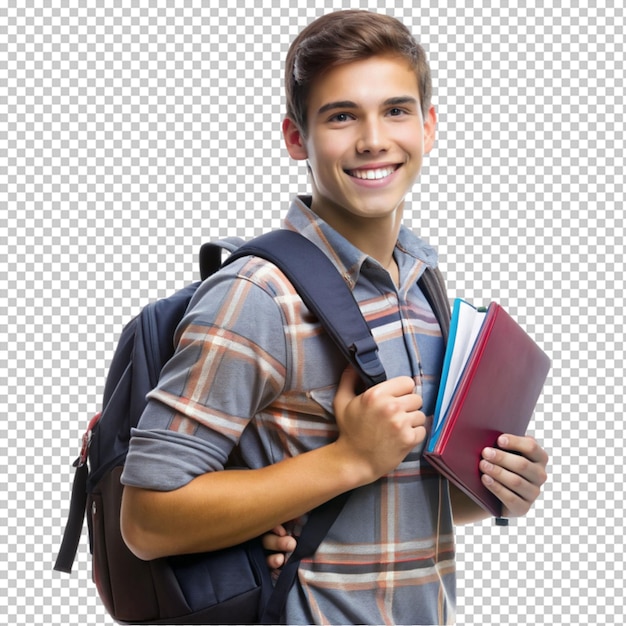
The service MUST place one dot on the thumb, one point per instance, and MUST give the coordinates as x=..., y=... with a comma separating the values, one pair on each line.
x=346, y=390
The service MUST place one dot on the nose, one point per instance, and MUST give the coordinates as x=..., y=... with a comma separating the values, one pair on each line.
x=372, y=138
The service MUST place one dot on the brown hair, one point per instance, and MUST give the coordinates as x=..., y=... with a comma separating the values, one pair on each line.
x=343, y=37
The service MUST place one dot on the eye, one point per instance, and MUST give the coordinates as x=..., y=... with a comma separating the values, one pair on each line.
x=396, y=112
x=340, y=117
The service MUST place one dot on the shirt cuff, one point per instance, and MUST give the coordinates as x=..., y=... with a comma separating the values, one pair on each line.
x=165, y=460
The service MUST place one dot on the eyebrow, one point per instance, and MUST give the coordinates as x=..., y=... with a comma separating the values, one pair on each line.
x=348, y=104
x=340, y=104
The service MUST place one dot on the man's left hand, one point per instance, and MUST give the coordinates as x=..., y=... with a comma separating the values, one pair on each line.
x=515, y=472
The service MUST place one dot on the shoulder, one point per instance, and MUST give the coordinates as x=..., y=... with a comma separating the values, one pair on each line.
x=263, y=274
x=245, y=291
x=246, y=278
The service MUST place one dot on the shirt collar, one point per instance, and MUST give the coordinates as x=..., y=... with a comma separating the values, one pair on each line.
x=346, y=257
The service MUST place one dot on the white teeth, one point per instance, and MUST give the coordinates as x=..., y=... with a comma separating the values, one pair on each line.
x=373, y=174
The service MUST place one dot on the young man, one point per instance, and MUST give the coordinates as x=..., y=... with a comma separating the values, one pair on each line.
x=256, y=382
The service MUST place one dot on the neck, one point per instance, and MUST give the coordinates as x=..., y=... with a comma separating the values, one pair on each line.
x=380, y=247
x=375, y=236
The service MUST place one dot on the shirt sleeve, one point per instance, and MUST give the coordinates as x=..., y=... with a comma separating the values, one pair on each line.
x=229, y=364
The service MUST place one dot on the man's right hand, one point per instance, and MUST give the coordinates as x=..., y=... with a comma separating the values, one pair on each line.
x=379, y=427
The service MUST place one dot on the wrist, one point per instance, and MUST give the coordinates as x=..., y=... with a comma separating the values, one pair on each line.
x=353, y=469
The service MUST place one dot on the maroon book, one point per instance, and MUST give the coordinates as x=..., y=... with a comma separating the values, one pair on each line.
x=496, y=393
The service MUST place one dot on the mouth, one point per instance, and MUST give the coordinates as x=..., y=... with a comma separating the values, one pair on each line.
x=373, y=173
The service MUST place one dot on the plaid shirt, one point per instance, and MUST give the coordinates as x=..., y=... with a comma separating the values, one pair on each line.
x=254, y=378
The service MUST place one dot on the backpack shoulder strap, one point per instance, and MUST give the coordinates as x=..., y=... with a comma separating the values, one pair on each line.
x=433, y=286
x=325, y=293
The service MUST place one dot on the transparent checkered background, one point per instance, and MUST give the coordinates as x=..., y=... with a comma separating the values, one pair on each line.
x=130, y=132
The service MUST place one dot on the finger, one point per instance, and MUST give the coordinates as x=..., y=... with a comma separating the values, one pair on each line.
x=515, y=464
x=346, y=390
x=401, y=387
x=270, y=542
x=514, y=504
x=276, y=560
x=279, y=530
x=287, y=543
x=415, y=416
x=516, y=483
x=273, y=541
x=393, y=395
x=526, y=446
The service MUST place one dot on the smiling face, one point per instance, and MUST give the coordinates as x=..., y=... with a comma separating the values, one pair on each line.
x=365, y=141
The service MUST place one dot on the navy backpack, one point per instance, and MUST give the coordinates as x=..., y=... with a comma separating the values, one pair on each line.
x=231, y=586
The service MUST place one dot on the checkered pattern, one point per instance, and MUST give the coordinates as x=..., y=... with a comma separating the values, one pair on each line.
x=132, y=132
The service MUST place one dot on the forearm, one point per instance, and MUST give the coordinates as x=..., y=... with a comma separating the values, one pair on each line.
x=377, y=429
x=221, y=509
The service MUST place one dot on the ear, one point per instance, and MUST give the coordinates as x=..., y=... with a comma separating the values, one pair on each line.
x=294, y=140
x=430, y=129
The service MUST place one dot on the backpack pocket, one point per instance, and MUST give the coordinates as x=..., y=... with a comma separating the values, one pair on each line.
x=227, y=586
x=125, y=583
